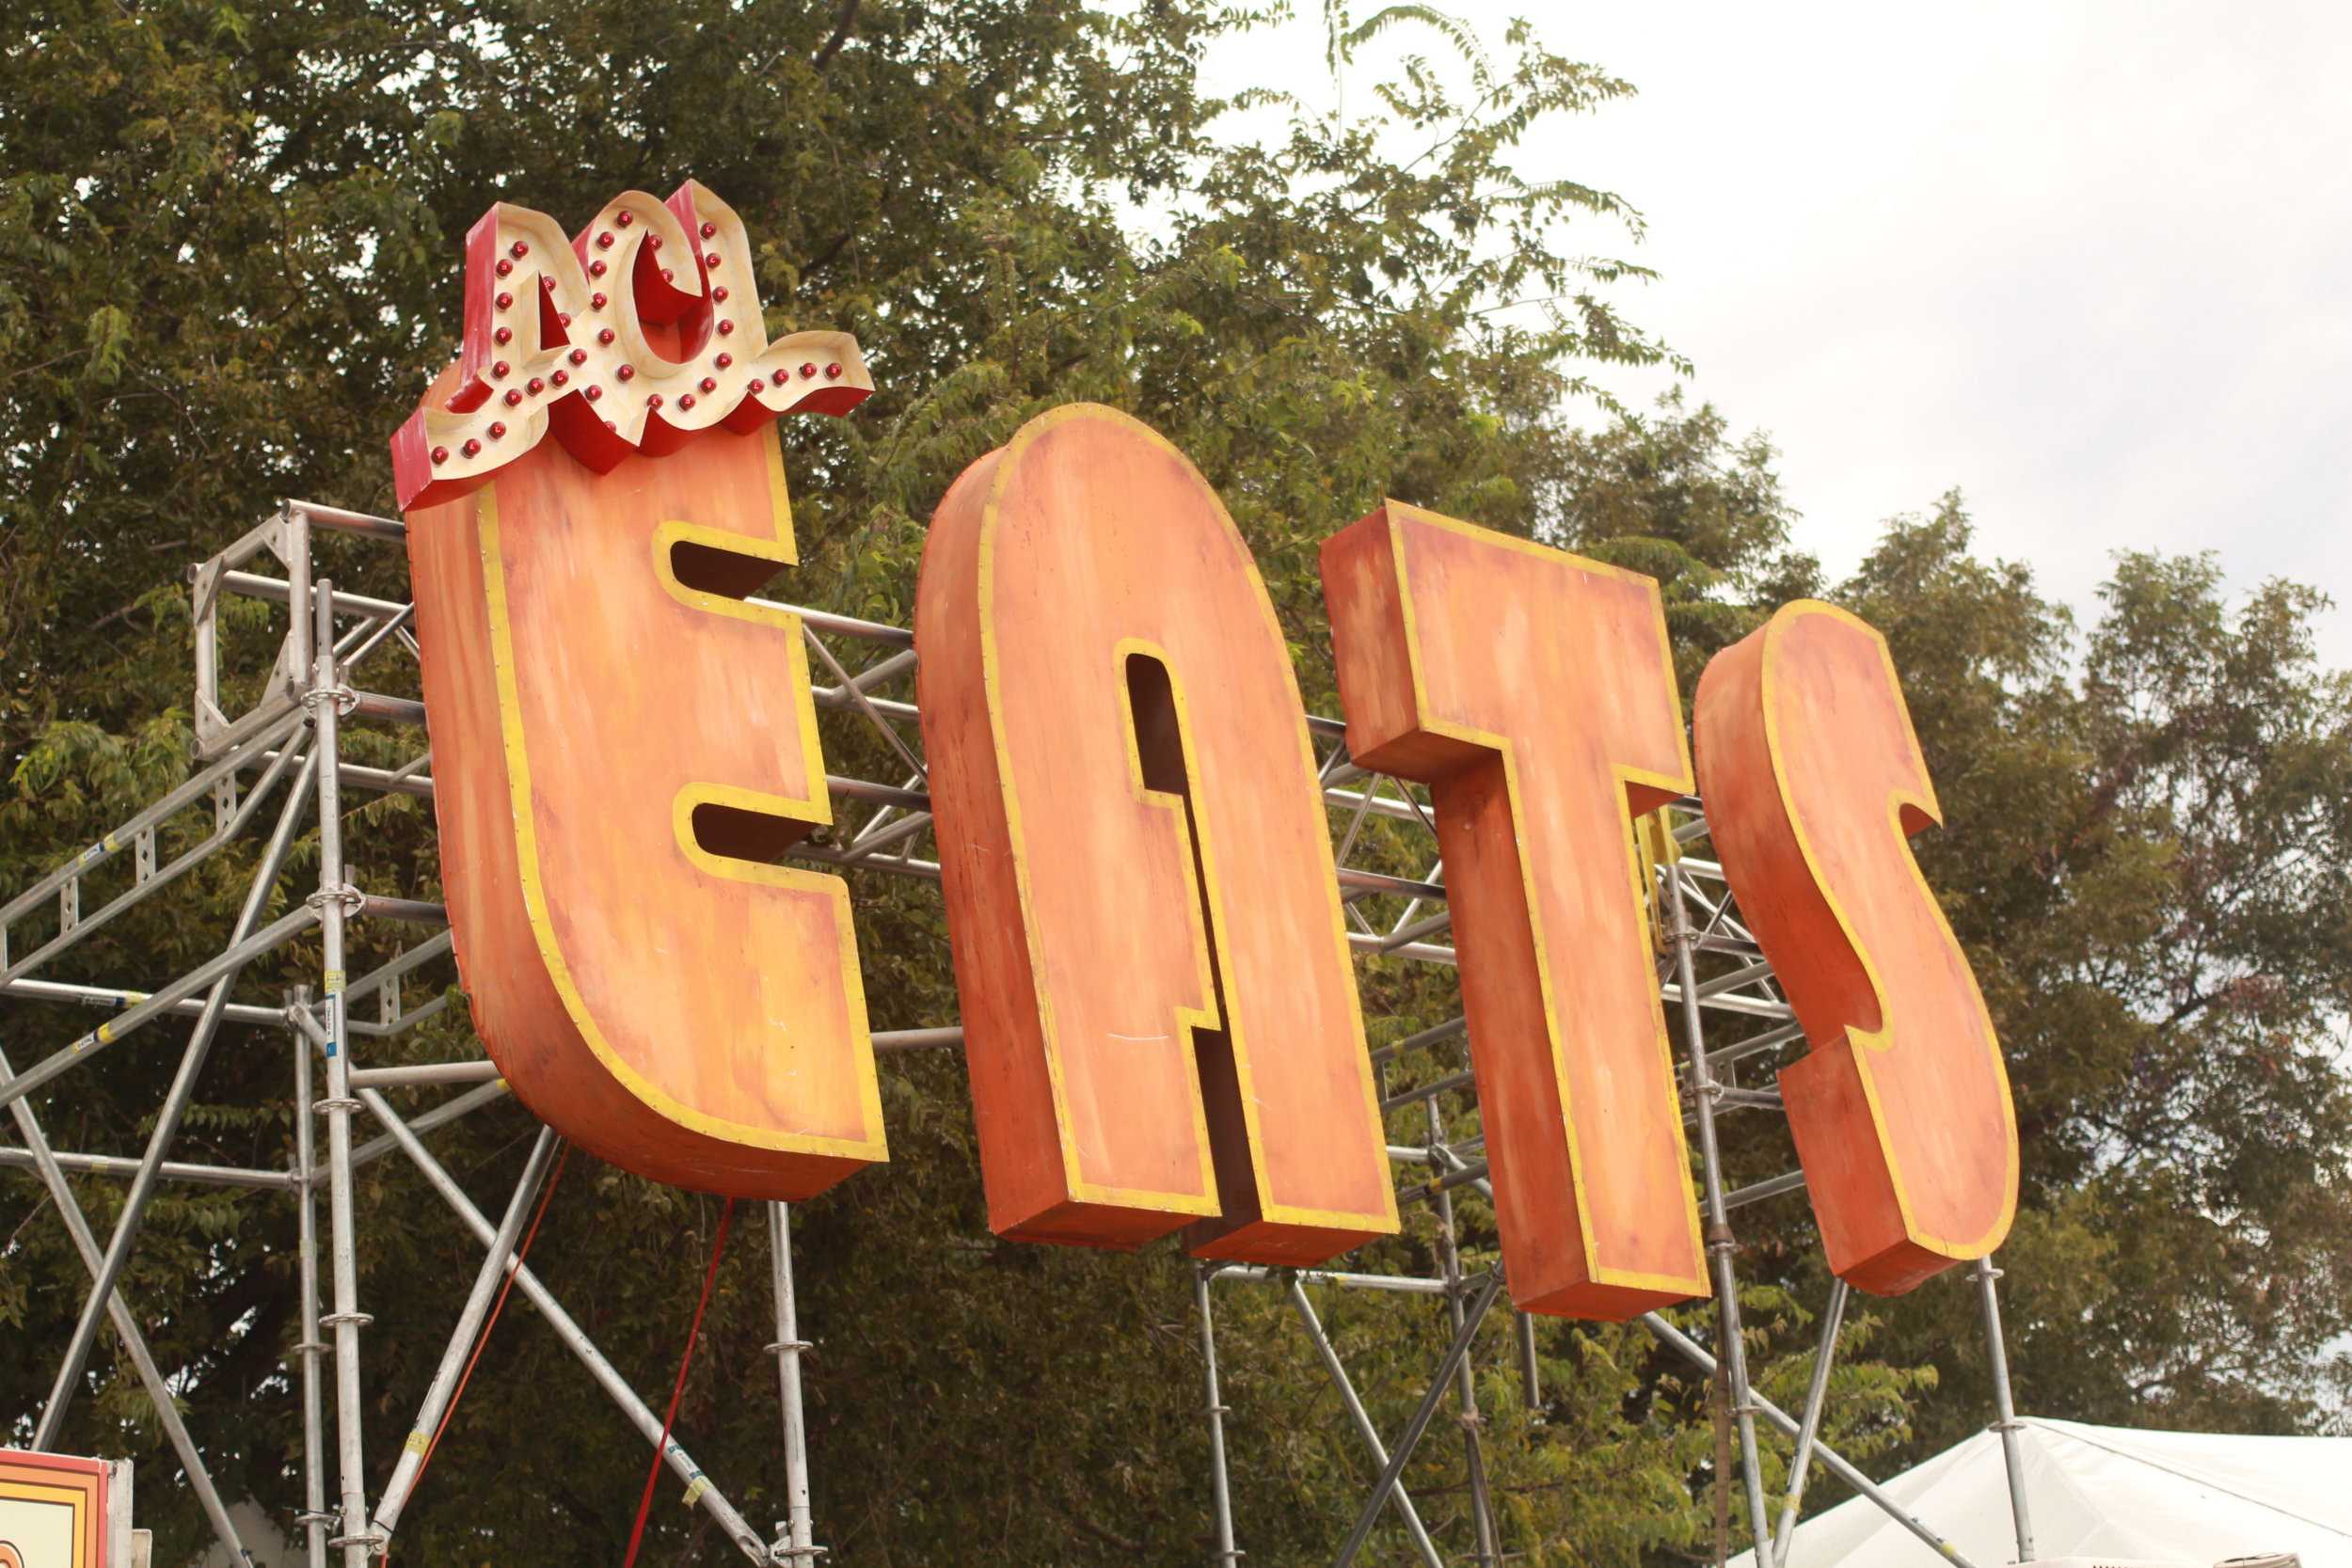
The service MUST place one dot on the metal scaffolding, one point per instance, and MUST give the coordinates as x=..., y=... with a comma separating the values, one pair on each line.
x=294, y=737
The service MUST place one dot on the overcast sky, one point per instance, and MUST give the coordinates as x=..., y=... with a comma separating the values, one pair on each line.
x=2090, y=261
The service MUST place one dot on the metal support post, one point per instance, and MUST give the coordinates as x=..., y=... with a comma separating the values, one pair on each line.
x=115, y=1030
x=798, y=1544
x=2005, y=1409
x=1834, y=1462
x=1719, y=1243
x=183, y=1089
x=126, y=1328
x=1220, y=1484
x=698, y=1488
x=437, y=1394
x=1810, y=1429
x=449, y=1110
x=1482, y=1507
x=325, y=701
x=1394, y=1468
x=1364, y=1429
x=314, y=1516
x=249, y=1177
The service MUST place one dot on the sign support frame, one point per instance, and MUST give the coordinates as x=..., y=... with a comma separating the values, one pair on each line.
x=342, y=630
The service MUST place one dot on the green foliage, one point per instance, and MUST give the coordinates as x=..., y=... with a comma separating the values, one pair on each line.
x=229, y=262
x=2143, y=850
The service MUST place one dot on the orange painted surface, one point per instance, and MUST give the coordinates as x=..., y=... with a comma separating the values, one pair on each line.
x=34, y=1484
x=1814, y=784
x=1160, y=1017
x=616, y=753
x=1533, y=693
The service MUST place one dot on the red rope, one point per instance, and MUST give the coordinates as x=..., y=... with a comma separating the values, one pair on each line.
x=546, y=1198
x=645, y=1504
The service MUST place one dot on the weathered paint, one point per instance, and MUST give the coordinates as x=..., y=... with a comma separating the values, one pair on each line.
x=616, y=753
x=1814, y=784
x=1534, y=692
x=1160, y=1014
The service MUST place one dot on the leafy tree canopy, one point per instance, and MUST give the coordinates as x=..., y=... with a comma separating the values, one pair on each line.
x=229, y=261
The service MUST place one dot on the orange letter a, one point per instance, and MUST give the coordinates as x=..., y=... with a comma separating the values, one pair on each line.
x=1160, y=1014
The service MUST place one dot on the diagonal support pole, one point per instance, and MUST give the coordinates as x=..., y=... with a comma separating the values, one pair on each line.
x=1364, y=1429
x=866, y=705
x=1810, y=1429
x=575, y=1339
x=167, y=1122
x=462, y=1338
x=151, y=879
x=223, y=965
x=1420, y=1424
x=1834, y=1462
x=127, y=1327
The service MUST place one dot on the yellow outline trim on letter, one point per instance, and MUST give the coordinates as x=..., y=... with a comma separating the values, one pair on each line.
x=1207, y=1205
x=1870, y=1042
x=1400, y=513
x=816, y=809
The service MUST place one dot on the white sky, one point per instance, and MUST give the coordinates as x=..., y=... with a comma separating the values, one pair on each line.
x=2088, y=260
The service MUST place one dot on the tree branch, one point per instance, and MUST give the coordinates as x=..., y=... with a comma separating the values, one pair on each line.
x=840, y=33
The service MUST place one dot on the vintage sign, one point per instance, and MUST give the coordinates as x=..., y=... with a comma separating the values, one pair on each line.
x=59, y=1511
x=1161, y=1018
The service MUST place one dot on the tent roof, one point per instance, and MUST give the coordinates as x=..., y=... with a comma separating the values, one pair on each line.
x=2168, y=1496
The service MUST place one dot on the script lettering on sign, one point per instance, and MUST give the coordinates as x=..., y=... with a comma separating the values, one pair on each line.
x=1533, y=693
x=1160, y=1017
x=621, y=743
x=1814, y=784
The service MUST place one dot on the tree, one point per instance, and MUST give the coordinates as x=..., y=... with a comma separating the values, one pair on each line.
x=2142, y=847
x=230, y=262
x=230, y=265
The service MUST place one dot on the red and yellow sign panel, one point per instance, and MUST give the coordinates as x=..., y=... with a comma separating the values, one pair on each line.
x=620, y=743
x=1813, y=783
x=1534, y=692
x=1159, y=1011
x=52, y=1510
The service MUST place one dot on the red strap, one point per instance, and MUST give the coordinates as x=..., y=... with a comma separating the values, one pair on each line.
x=547, y=1196
x=645, y=1504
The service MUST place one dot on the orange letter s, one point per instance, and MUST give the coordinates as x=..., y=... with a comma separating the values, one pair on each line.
x=1814, y=782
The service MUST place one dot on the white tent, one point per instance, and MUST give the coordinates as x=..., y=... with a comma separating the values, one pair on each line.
x=2162, y=1497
